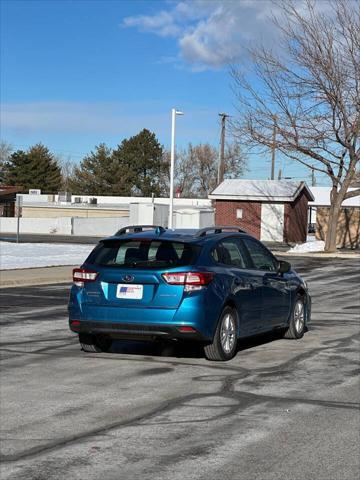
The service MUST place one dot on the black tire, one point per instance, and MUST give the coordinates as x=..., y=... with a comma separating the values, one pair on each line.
x=217, y=350
x=94, y=343
x=296, y=328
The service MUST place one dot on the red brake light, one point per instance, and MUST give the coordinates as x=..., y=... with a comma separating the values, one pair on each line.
x=81, y=275
x=188, y=278
x=186, y=329
x=75, y=325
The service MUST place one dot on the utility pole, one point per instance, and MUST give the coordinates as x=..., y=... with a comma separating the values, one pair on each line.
x=273, y=150
x=313, y=180
x=19, y=202
x=221, y=167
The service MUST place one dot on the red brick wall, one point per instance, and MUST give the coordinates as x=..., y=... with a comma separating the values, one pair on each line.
x=296, y=219
x=225, y=214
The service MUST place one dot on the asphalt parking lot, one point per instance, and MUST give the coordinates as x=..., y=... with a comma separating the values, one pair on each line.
x=280, y=409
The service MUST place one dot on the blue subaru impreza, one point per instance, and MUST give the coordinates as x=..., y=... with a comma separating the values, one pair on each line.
x=213, y=285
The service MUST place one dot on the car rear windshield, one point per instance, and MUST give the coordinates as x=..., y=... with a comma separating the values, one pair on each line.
x=143, y=253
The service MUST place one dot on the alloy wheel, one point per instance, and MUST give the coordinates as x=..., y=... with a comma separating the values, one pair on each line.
x=227, y=333
x=299, y=316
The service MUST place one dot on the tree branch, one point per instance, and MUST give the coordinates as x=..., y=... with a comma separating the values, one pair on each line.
x=352, y=193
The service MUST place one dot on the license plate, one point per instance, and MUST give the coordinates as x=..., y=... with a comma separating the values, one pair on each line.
x=132, y=292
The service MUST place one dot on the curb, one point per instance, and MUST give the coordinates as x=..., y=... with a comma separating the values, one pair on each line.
x=317, y=254
x=27, y=277
x=39, y=281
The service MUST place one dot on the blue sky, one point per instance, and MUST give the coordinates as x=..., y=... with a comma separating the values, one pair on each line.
x=77, y=73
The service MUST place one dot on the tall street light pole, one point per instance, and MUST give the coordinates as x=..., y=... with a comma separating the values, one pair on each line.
x=174, y=112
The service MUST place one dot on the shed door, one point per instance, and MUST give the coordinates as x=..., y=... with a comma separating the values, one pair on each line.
x=272, y=222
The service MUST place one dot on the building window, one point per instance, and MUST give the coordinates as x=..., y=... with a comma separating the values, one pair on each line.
x=239, y=213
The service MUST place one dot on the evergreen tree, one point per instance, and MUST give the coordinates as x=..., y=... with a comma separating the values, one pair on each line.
x=140, y=158
x=135, y=167
x=100, y=174
x=34, y=168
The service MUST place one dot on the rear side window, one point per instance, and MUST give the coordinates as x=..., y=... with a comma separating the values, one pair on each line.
x=144, y=253
x=228, y=252
x=261, y=258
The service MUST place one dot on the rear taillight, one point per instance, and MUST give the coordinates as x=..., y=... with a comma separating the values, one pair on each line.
x=186, y=329
x=75, y=325
x=190, y=280
x=81, y=275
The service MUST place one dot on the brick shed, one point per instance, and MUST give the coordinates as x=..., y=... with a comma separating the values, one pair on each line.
x=271, y=210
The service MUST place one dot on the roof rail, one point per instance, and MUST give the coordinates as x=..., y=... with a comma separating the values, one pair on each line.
x=140, y=228
x=217, y=229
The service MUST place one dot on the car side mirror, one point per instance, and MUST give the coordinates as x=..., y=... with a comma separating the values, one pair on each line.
x=283, y=266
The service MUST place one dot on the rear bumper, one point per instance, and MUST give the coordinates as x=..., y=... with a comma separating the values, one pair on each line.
x=136, y=331
x=195, y=311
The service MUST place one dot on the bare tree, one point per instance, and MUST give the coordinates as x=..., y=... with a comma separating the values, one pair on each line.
x=5, y=152
x=309, y=91
x=206, y=158
x=235, y=161
x=356, y=180
x=185, y=171
x=67, y=166
x=196, y=168
x=206, y=165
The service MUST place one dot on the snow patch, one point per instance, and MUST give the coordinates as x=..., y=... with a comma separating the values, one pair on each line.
x=31, y=255
x=312, y=246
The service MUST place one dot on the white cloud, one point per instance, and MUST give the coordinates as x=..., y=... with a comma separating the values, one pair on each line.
x=214, y=33
x=209, y=33
x=162, y=24
x=213, y=42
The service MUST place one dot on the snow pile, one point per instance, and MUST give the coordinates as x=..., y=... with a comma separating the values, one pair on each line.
x=312, y=246
x=30, y=255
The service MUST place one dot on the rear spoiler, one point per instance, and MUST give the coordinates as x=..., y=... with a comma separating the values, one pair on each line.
x=140, y=228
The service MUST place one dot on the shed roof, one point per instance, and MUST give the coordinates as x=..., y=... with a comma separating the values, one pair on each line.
x=260, y=190
x=8, y=193
x=322, y=198
x=9, y=189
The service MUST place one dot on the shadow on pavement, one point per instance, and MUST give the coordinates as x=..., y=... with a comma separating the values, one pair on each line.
x=185, y=349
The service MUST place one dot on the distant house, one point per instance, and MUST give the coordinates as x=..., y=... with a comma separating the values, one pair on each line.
x=348, y=227
x=8, y=200
x=270, y=210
